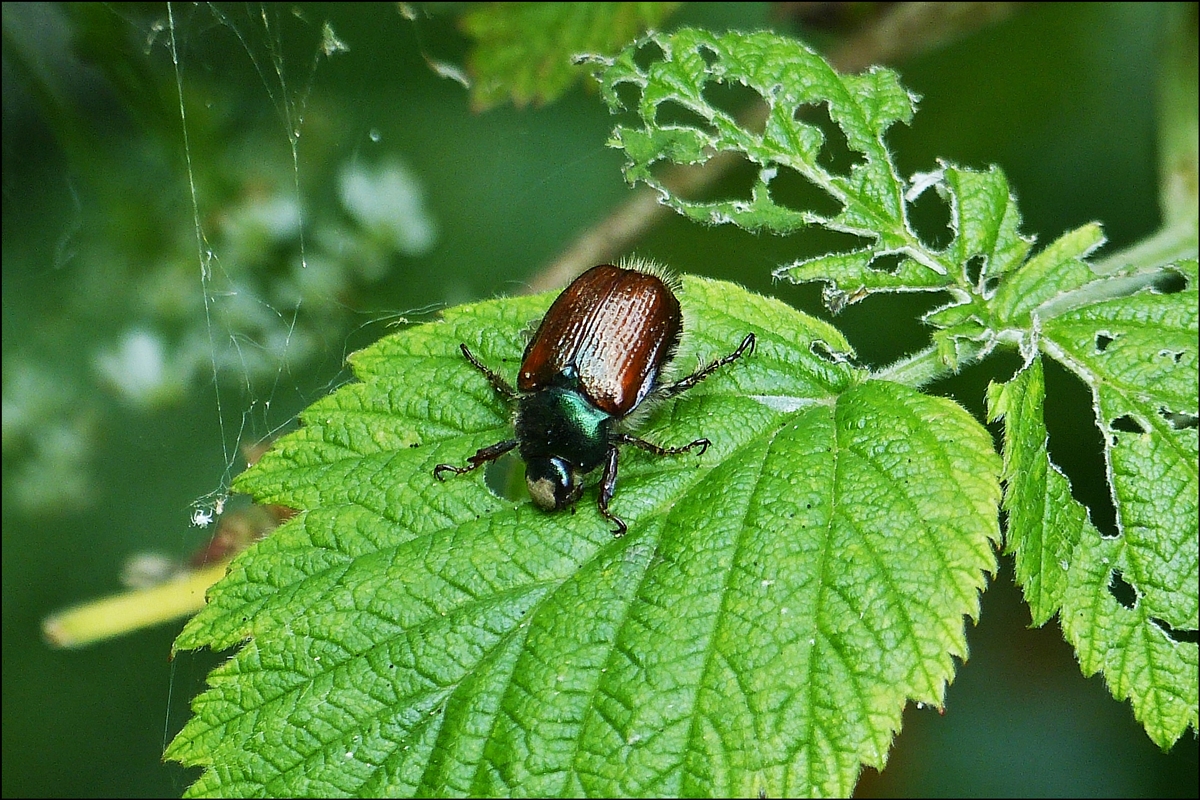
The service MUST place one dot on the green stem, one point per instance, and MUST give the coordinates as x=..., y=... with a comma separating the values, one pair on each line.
x=1172, y=243
x=927, y=366
x=1177, y=118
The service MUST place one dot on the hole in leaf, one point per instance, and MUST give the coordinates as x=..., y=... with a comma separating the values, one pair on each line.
x=1103, y=340
x=709, y=55
x=1077, y=444
x=736, y=184
x=888, y=262
x=823, y=351
x=1174, y=355
x=648, y=55
x=736, y=100
x=836, y=156
x=929, y=217
x=1121, y=590
x=505, y=478
x=628, y=96
x=1170, y=282
x=1175, y=634
x=974, y=268
x=989, y=286
x=1179, y=420
x=670, y=112
x=1127, y=424
x=790, y=188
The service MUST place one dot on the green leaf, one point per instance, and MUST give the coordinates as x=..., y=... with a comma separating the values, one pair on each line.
x=525, y=52
x=874, y=200
x=1055, y=270
x=1138, y=354
x=985, y=221
x=1065, y=567
x=787, y=75
x=775, y=605
x=849, y=277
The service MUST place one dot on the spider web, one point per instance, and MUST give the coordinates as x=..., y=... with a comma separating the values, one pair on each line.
x=266, y=323
x=261, y=199
x=271, y=297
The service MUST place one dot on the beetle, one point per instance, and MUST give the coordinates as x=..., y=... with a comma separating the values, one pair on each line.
x=597, y=356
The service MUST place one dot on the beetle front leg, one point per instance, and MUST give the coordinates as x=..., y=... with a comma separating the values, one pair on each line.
x=608, y=485
x=498, y=383
x=482, y=456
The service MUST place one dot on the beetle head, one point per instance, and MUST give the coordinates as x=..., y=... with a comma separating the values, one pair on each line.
x=553, y=483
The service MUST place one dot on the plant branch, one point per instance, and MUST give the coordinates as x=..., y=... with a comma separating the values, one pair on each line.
x=927, y=365
x=1169, y=244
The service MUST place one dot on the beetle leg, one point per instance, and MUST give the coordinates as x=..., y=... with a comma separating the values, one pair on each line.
x=608, y=485
x=691, y=380
x=482, y=456
x=498, y=383
x=650, y=447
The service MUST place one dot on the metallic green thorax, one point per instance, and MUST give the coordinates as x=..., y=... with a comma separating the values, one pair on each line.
x=560, y=422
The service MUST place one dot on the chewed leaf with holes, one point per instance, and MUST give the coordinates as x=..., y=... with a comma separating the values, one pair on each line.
x=1009, y=291
x=788, y=76
x=986, y=245
x=1127, y=604
x=1138, y=354
x=792, y=81
x=774, y=606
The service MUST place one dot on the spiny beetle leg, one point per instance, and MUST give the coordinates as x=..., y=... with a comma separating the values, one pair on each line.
x=498, y=383
x=650, y=447
x=700, y=374
x=608, y=485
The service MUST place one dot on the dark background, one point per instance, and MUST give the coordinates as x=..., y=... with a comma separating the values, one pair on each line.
x=97, y=206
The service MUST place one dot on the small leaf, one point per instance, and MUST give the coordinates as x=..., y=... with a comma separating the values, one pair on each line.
x=774, y=606
x=1057, y=269
x=789, y=78
x=851, y=276
x=985, y=220
x=525, y=52
x=1140, y=642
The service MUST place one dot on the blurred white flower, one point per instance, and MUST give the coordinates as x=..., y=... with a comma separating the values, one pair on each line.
x=389, y=201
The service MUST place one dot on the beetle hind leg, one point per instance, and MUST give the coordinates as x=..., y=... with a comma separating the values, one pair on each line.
x=680, y=386
x=650, y=447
